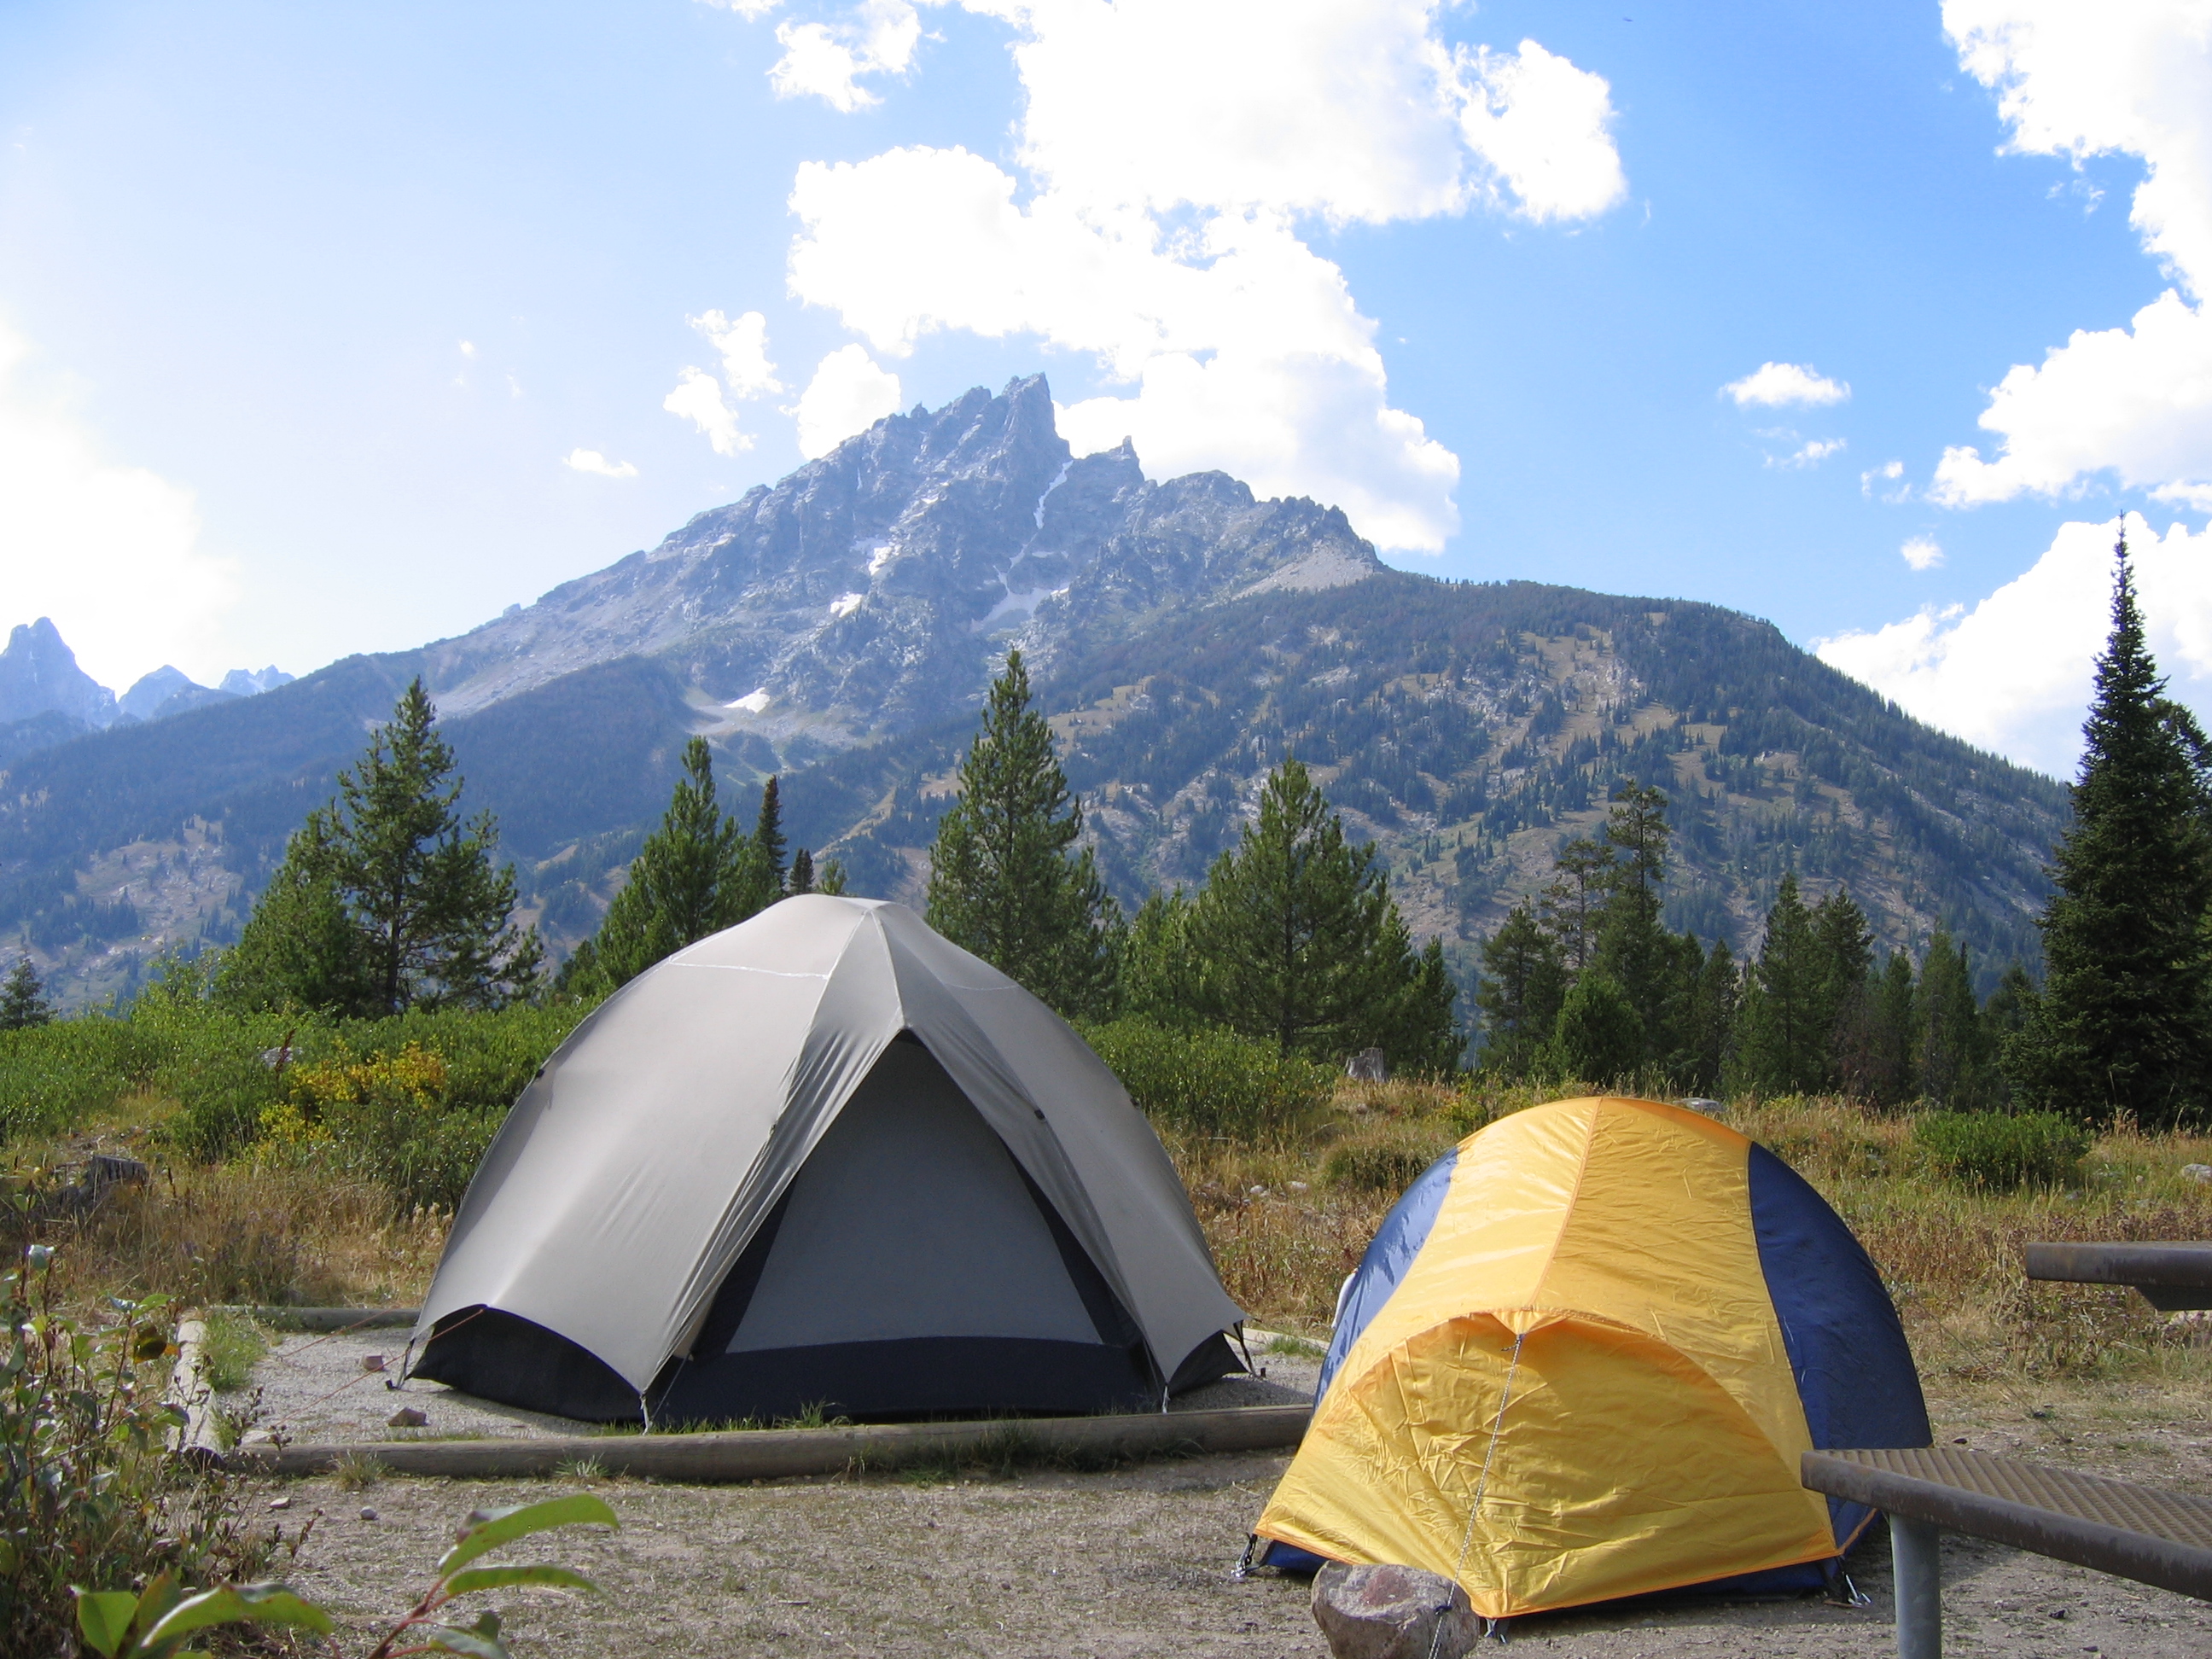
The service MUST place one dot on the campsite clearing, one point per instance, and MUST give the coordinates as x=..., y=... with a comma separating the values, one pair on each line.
x=1135, y=1563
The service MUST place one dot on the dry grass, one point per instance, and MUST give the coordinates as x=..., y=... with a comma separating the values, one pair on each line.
x=1289, y=1219
x=1285, y=1234
x=232, y=1233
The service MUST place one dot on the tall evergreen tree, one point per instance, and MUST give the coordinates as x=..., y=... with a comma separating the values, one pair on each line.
x=768, y=834
x=1300, y=943
x=1710, y=1046
x=2122, y=1022
x=388, y=897
x=1846, y=951
x=23, y=998
x=1782, y=1041
x=1523, y=982
x=695, y=874
x=1877, y=1066
x=1573, y=905
x=1159, y=976
x=1634, y=948
x=1948, y=1060
x=1599, y=1038
x=1008, y=878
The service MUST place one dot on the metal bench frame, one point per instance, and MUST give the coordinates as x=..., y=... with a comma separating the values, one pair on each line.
x=2132, y=1531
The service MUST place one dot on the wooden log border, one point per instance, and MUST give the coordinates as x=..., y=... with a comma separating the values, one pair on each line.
x=775, y=1454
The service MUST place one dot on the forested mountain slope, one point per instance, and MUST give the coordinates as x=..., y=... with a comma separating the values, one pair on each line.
x=1470, y=728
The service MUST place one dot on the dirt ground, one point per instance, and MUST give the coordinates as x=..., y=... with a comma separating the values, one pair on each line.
x=1138, y=1561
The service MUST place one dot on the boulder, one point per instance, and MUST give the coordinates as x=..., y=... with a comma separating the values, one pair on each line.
x=1392, y=1613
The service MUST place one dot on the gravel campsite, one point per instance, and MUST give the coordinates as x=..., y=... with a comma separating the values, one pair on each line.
x=1138, y=1561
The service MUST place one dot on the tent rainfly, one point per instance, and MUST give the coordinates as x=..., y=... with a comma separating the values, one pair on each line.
x=824, y=1158
x=1580, y=1360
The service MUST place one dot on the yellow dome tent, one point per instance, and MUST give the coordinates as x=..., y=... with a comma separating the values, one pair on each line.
x=1580, y=1361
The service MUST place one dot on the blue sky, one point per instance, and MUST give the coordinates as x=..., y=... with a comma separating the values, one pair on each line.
x=338, y=328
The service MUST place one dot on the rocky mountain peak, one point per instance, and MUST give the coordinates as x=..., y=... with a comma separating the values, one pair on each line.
x=879, y=585
x=39, y=675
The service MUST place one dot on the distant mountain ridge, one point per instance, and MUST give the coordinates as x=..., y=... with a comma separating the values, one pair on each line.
x=45, y=698
x=841, y=626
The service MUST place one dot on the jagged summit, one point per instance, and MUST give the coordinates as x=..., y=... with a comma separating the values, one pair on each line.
x=39, y=675
x=876, y=587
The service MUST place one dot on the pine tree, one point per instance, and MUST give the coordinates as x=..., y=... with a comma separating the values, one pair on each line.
x=1159, y=976
x=695, y=875
x=1573, y=905
x=1948, y=1057
x=1879, y=1068
x=1008, y=878
x=1634, y=948
x=1299, y=942
x=1523, y=982
x=1710, y=1047
x=1599, y=1038
x=801, y=878
x=768, y=833
x=23, y=998
x=2122, y=1022
x=388, y=897
x=1782, y=1044
x=1845, y=945
x=301, y=946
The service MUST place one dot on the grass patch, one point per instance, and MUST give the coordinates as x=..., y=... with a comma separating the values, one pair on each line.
x=356, y=1472
x=1295, y=1347
x=234, y=1346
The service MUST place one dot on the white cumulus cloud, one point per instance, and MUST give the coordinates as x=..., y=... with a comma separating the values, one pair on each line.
x=591, y=461
x=698, y=399
x=849, y=393
x=2076, y=82
x=1546, y=128
x=826, y=60
x=1776, y=385
x=1922, y=553
x=111, y=551
x=1169, y=152
x=744, y=347
x=2013, y=674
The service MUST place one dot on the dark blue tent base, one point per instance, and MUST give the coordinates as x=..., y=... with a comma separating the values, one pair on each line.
x=498, y=1356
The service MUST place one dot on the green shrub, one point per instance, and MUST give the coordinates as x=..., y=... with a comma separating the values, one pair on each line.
x=88, y=1493
x=56, y=1075
x=1211, y=1081
x=2001, y=1150
x=234, y=1348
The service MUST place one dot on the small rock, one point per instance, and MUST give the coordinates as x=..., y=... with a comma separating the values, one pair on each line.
x=1298, y=1185
x=372, y=1362
x=1259, y=1192
x=1392, y=1613
x=2197, y=1171
x=407, y=1417
x=280, y=1503
x=1961, y=1441
x=368, y=1514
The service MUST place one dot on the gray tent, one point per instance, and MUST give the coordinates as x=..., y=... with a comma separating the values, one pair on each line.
x=824, y=1158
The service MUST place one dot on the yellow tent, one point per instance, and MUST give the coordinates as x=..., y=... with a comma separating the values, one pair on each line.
x=1582, y=1359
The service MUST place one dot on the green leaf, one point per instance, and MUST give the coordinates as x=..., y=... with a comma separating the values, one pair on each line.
x=103, y=1617
x=487, y=1529
x=480, y=1578
x=444, y=1639
x=258, y=1604
x=154, y=1601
